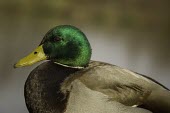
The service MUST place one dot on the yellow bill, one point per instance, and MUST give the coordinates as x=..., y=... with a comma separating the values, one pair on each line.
x=36, y=56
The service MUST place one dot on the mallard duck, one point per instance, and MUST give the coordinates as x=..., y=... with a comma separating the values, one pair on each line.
x=70, y=83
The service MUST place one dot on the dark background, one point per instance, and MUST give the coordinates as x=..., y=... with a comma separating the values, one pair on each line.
x=133, y=34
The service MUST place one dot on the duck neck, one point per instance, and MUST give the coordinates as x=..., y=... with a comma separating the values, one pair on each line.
x=42, y=88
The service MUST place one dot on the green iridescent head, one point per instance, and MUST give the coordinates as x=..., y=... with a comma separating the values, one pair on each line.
x=65, y=45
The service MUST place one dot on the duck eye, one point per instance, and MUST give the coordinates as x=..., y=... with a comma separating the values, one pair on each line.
x=56, y=39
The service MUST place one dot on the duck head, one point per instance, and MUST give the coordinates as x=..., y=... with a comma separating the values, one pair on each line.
x=65, y=45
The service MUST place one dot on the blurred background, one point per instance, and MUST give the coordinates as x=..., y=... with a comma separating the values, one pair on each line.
x=133, y=34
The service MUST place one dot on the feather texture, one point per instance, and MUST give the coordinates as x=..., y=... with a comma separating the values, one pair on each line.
x=99, y=88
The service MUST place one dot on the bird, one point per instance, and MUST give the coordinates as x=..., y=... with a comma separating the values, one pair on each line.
x=70, y=82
